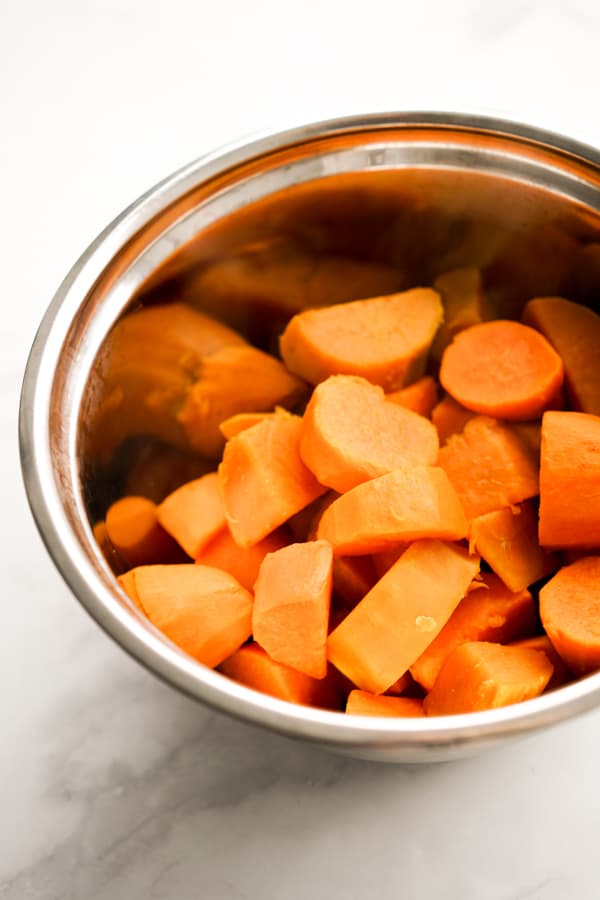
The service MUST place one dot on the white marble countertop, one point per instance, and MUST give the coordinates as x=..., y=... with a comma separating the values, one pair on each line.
x=112, y=785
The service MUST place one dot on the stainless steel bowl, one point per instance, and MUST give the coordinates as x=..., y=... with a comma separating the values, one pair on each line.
x=414, y=191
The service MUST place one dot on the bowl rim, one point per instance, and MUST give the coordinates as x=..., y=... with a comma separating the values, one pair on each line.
x=122, y=622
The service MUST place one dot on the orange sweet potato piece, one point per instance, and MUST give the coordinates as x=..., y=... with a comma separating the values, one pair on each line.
x=574, y=332
x=570, y=480
x=421, y=396
x=362, y=703
x=507, y=539
x=400, y=685
x=262, y=479
x=175, y=328
x=241, y=562
x=148, y=363
x=404, y=505
x=489, y=466
x=292, y=597
x=449, y=417
x=240, y=421
x=127, y=583
x=133, y=529
x=491, y=614
x=350, y=434
x=383, y=339
x=480, y=675
x=100, y=534
x=193, y=514
x=110, y=554
x=204, y=611
x=402, y=614
x=518, y=372
x=542, y=642
x=570, y=613
x=251, y=666
x=234, y=380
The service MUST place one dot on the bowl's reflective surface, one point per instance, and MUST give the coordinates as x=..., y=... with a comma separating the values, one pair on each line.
x=323, y=214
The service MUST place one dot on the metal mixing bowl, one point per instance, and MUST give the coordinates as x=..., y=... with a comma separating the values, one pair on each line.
x=415, y=192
